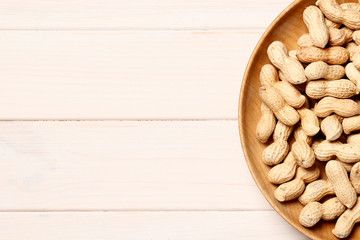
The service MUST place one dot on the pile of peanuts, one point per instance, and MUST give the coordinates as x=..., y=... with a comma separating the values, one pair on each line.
x=315, y=100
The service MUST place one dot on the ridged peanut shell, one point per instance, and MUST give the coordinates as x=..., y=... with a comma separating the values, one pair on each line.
x=331, y=55
x=304, y=41
x=346, y=221
x=293, y=53
x=301, y=149
x=315, y=22
x=345, y=152
x=338, y=177
x=355, y=58
x=331, y=127
x=342, y=107
x=290, y=67
x=351, y=124
x=291, y=95
x=348, y=34
x=332, y=24
x=355, y=177
x=291, y=190
x=332, y=209
x=354, y=51
x=269, y=77
x=333, y=11
x=356, y=37
x=353, y=74
x=282, y=131
x=318, y=70
x=266, y=124
x=309, y=121
x=314, y=211
x=347, y=166
x=315, y=191
x=311, y=214
x=283, y=112
x=354, y=6
x=342, y=88
x=277, y=151
x=352, y=48
x=354, y=139
x=283, y=172
x=337, y=37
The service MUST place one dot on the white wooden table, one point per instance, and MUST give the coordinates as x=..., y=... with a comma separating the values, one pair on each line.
x=151, y=147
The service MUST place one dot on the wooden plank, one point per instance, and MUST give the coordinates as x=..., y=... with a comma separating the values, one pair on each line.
x=122, y=75
x=146, y=225
x=114, y=165
x=138, y=14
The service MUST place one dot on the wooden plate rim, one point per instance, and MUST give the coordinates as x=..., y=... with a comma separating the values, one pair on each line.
x=240, y=125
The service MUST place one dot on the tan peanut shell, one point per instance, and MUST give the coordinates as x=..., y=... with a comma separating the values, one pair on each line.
x=314, y=211
x=354, y=6
x=332, y=24
x=337, y=37
x=346, y=221
x=331, y=127
x=283, y=112
x=351, y=124
x=305, y=41
x=301, y=149
x=266, y=124
x=356, y=58
x=342, y=107
x=318, y=70
x=315, y=22
x=356, y=37
x=348, y=34
x=338, y=177
x=353, y=74
x=331, y=55
x=300, y=87
x=342, y=88
x=352, y=48
x=355, y=177
x=277, y=151
x=269, y=77
x=315, y=191
x=333, y=11
x=309, y=121
x=311, y=214
x=290, y=67
x=345, y=152
x=347, y=166
x=354, y=51
x=354, y=139
x=291, y=190
x=333, y=208
x=293, y=53
x=283, y=172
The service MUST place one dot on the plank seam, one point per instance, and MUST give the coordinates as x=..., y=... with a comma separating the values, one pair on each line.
x=120, y=120
x=133, y=210
x=224, y=29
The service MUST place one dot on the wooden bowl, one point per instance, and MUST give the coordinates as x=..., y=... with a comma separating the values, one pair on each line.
x=287, y=27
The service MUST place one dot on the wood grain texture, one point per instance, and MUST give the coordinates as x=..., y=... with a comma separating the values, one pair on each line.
x=118, y=165
x=288, y=27
x=110, y=71
x=146, y=225
x=138, y=14
x=122, y=75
